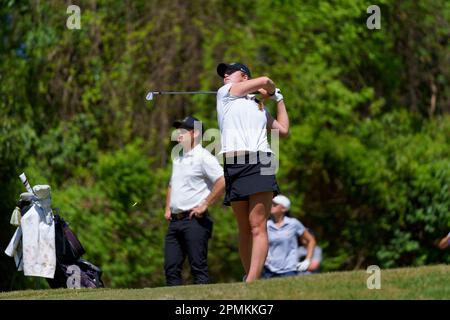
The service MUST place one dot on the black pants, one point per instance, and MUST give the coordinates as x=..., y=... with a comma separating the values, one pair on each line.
x=187, y=237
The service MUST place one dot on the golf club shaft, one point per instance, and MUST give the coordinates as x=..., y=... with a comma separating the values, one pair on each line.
x=151, y=94
x=184, y=92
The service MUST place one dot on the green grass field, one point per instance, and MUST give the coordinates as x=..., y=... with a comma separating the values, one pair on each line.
x=431, y=282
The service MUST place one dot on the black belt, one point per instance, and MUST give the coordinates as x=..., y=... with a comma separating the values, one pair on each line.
x=180, y=215
x=183, y=214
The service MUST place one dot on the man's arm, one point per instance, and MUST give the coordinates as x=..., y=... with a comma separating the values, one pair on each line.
x=167, y=213
x=216, y=192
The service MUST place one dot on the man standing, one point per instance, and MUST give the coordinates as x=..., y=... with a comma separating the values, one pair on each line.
x=197, y=182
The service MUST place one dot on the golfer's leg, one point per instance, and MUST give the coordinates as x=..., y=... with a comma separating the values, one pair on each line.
x=196, y=235
x=173, y=257
x=240, y=209
x=259, y=206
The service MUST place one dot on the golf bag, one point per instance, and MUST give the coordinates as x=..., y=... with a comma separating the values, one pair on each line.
x=68, y=247
x=71, y=270
x=80, y=274
x=44, y=245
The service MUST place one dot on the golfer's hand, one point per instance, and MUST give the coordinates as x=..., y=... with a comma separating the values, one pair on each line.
x=264, y=95
x=199, y=210
x=304, y=265
x=277, y=96
x=167, y=215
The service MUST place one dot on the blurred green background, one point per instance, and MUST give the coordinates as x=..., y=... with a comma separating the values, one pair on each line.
x=367, y=163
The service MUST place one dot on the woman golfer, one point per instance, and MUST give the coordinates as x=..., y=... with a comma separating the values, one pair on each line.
x=250, y=182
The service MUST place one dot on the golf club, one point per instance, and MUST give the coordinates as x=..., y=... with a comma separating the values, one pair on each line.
x=151, y=94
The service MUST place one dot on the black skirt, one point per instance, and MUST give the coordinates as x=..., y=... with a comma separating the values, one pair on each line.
x=249, y=174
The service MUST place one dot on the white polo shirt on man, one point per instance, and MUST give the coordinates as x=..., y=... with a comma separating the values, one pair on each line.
x=193, y=176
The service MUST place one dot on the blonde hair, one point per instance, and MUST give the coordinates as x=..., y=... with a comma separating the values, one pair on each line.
x=260, y=105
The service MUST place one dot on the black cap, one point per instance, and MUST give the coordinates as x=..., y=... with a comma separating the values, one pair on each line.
x=187, y=123
x=222, y=67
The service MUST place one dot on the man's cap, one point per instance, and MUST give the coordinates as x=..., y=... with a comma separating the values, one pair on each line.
x=187, y=123
x=284, y=201
x=222, y=67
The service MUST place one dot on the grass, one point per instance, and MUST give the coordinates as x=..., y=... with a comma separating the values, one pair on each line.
x=430, y=282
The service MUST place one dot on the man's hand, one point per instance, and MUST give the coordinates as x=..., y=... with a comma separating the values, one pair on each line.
x=199, y=210
x=304, y=265
x=168, y=215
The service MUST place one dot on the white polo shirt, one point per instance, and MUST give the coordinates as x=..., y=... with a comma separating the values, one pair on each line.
x=193, y=176
x=243, y=126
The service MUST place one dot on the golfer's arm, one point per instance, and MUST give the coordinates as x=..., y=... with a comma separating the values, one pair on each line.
x=243, y=88
x=309, y=238
x=216, y=192
x=281, y=123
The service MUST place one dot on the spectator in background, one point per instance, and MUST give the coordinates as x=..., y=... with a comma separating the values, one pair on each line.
x=196, y=183
x=445, y=242
x=284, y=235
